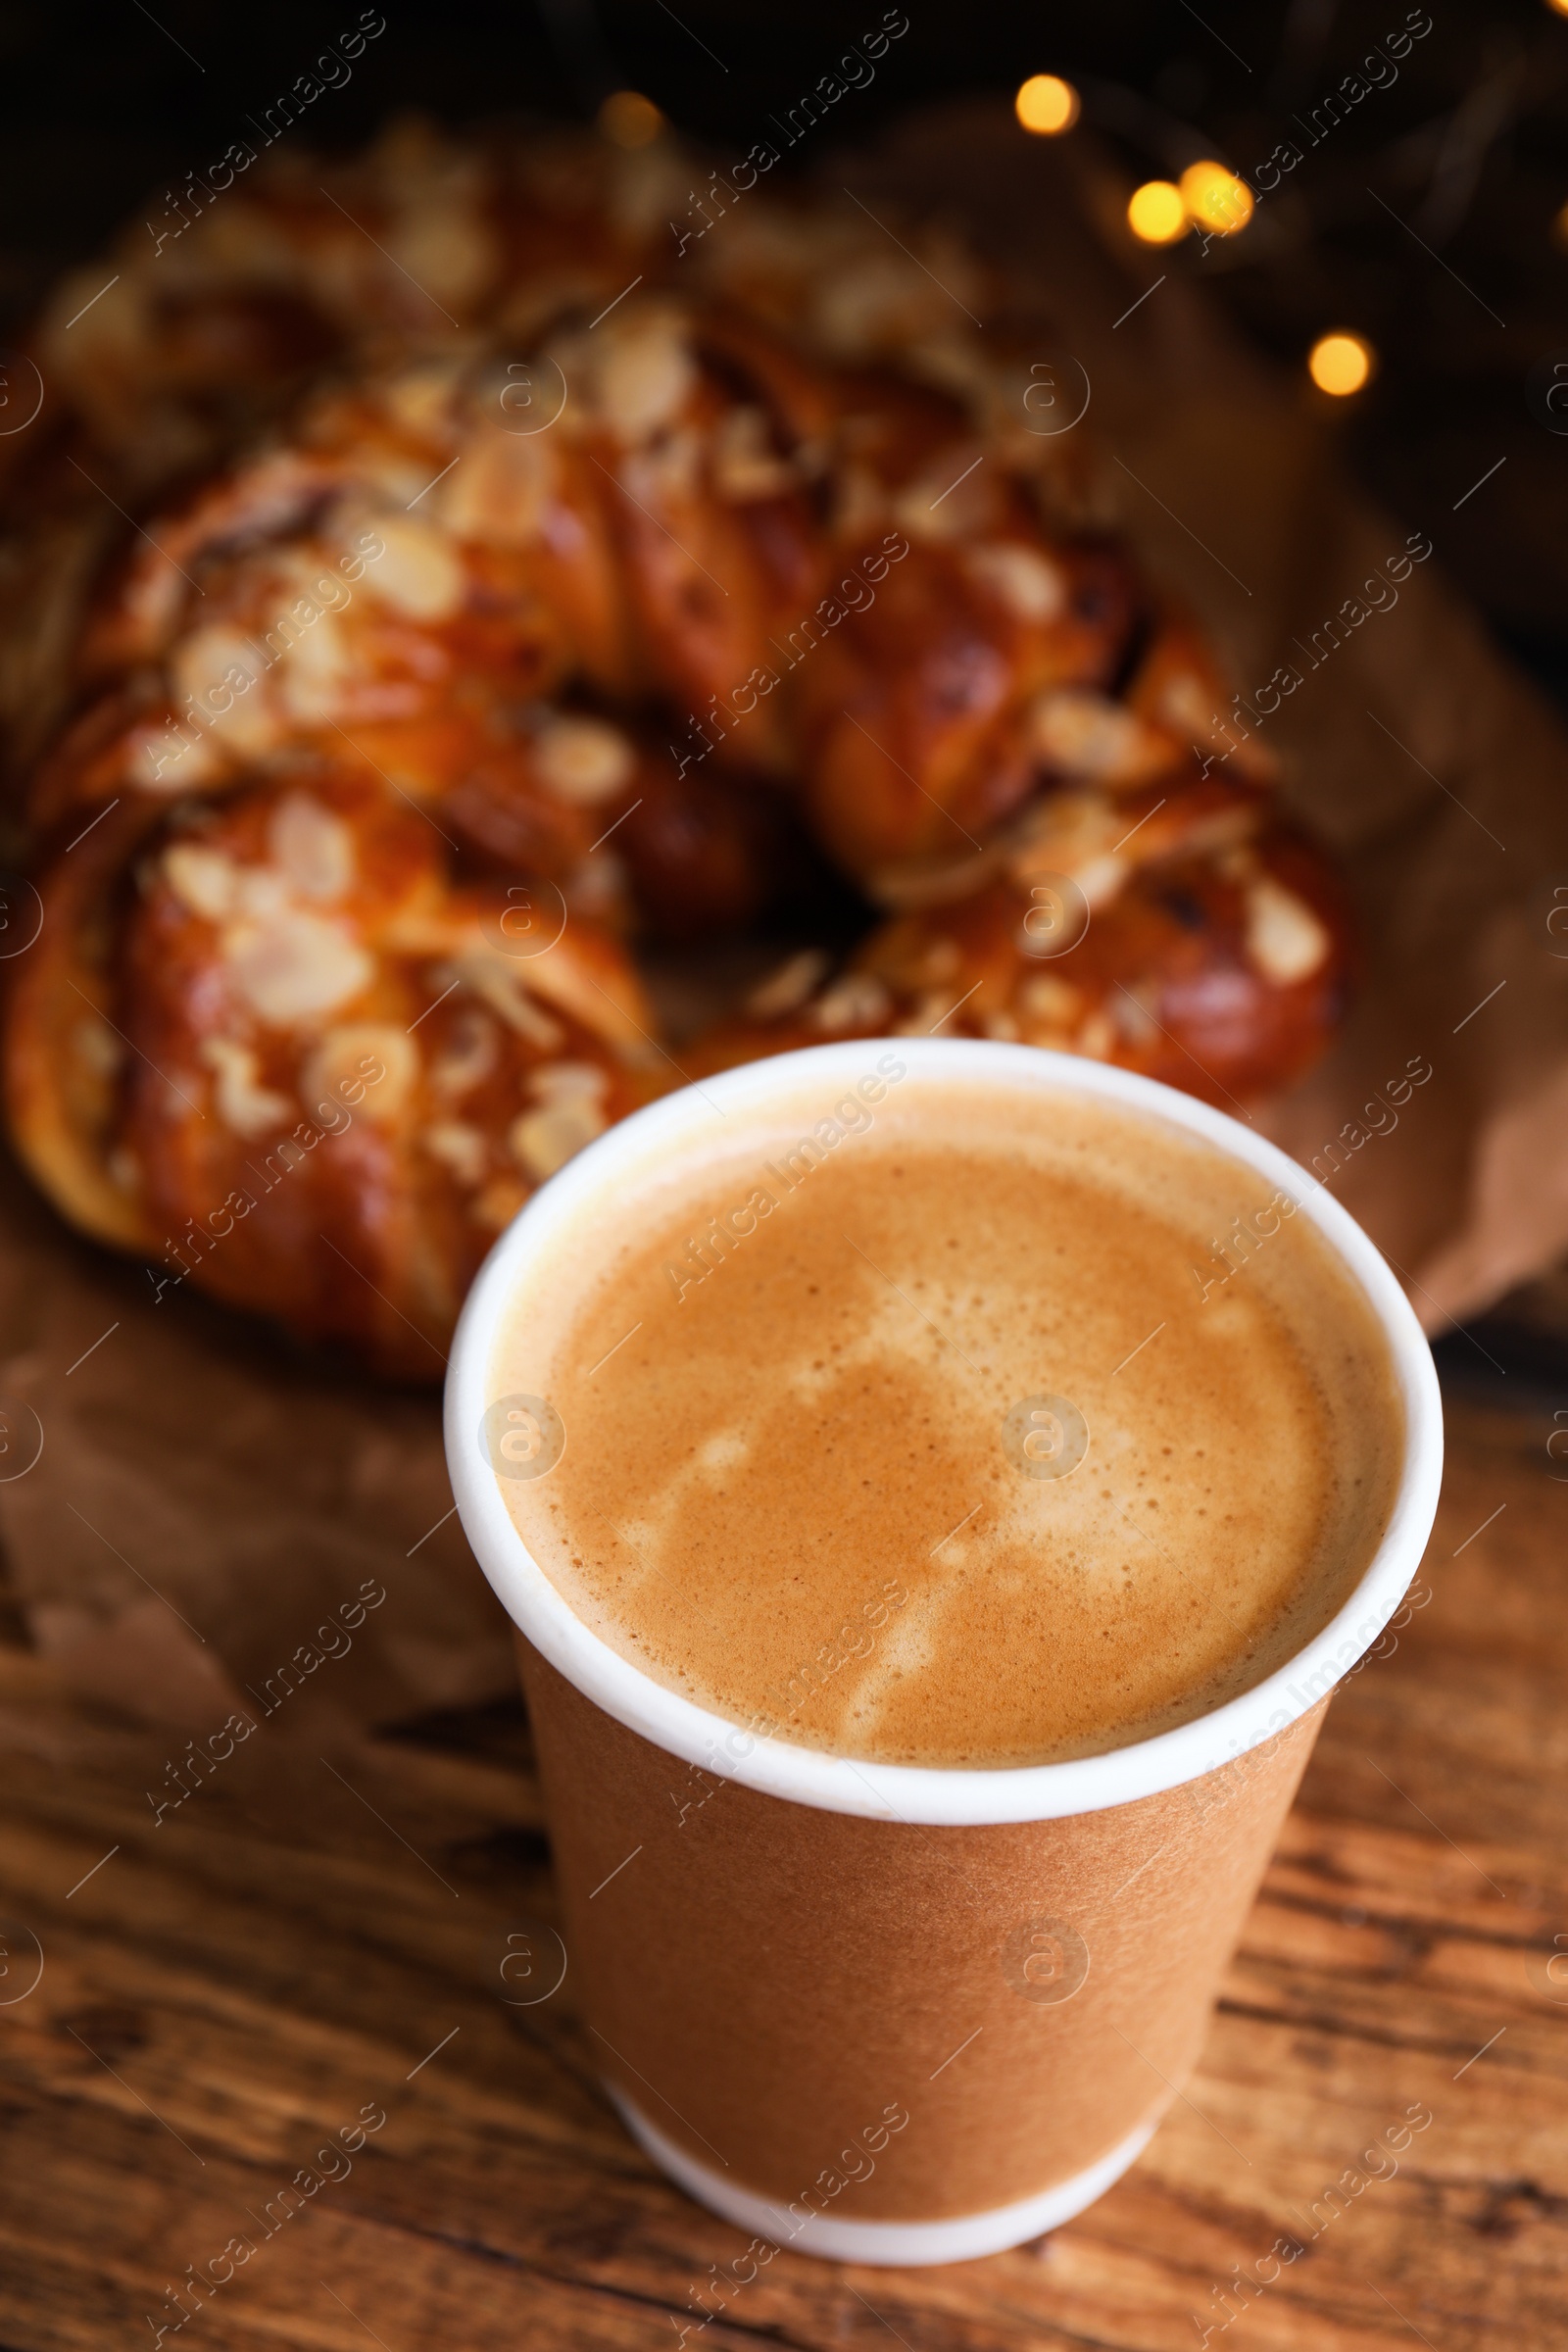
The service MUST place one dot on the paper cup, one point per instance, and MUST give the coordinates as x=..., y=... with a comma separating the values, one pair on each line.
x=878, y=2012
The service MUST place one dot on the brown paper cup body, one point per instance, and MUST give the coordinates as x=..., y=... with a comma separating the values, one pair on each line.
x=943, y=2021
x=884, y=2037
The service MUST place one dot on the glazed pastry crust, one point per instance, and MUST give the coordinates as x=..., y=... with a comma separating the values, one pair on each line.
x=638, y=599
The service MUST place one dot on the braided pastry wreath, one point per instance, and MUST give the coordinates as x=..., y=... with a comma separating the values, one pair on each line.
x=576, y=598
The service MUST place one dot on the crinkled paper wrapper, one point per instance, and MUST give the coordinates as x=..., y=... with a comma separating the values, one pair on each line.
x=206, y=1494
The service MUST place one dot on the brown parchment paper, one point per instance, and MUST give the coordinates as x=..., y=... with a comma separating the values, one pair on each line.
x=1431, y=764
x=206, y=1494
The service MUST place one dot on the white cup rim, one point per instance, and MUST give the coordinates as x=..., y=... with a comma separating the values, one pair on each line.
x=909, y=1792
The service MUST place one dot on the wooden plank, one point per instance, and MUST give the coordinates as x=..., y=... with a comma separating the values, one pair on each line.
x=318, y=1930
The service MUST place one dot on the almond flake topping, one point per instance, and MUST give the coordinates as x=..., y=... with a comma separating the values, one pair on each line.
x=1021, y=578
x=294, y=968
x=583, y=761
x=544, y=1140
x=243, y=1102
x=1283, y=938
x=1086, y=734
x=645, y=377
x=370, y=1067
x=311, y=847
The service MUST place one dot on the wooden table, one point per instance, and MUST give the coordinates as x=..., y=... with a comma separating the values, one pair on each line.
x=306, y=1946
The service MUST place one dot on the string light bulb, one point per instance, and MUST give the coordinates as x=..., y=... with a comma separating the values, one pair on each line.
x=1215, y=199
x=1155, y=213
x=1047, y=105
x=629, y=120
x=1341, y=363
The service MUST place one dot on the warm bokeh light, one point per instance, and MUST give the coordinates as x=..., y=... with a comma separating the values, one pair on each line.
x=1046, y=104
x=630, y=119
x=1215, y=199
x=1340, y=364
x=1558, y=8
x=1157, y=214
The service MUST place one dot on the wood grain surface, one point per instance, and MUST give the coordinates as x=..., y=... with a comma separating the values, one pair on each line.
x=316, y=1937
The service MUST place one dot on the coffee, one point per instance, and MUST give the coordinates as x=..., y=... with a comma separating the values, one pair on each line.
x=942, y=1424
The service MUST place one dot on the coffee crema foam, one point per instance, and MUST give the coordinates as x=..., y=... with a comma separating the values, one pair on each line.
x=904, y=1426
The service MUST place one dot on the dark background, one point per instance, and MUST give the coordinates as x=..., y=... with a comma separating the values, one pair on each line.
x=1464, y=295
x=103, y=106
